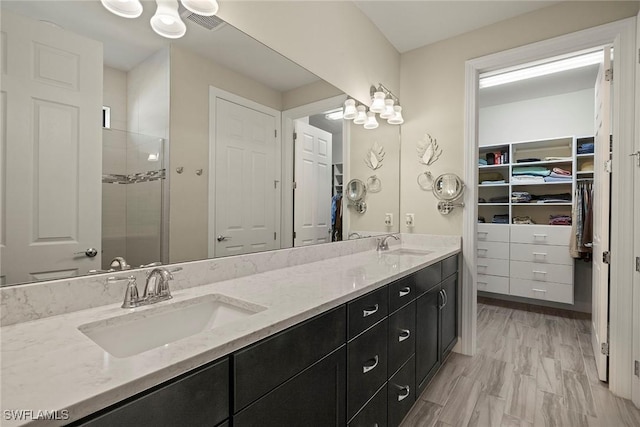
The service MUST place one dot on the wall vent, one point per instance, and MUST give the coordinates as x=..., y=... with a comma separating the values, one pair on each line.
x=209, y=22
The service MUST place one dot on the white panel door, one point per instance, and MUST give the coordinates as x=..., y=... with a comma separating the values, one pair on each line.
x=246, y=178
x=312, y=201
x=51, y=151
x=601, y=217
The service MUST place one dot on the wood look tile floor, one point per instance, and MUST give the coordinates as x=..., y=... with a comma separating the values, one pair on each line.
x=532, y=368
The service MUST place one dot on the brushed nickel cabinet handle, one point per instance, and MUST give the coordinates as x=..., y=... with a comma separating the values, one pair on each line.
x=404, y=291
x=369, y=311
x=406, y=390
x=368, y=367
x=404, y=334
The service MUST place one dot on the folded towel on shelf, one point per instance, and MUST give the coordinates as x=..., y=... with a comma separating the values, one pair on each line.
x=558, y=179
x=482, y=162
x=530, y=170
x=522, y=220
x=560, y=171
x=586, y=166
x=490, y=176
x=520, y=197
x=526, y=179
x=500, y=219
x=586, y=148
x=499, y=181
x=555, y=158
x=559, y=220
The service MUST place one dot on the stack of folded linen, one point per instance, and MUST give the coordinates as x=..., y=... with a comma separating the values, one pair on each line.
x=526, y=179
x=523, y=220
x=520, y=197
x=559, y=175
x=586, y=148
x=559, y=220
x=529, y=174
x=553, y=198
x=491, y=178
x=500, y=219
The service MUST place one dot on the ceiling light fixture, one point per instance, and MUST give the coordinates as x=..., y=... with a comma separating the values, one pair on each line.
x=350, y=112
x=166, y=21
x=571, y=63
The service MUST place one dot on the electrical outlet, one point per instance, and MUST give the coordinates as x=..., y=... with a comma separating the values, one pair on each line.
x=388, y=219
x=409, y=220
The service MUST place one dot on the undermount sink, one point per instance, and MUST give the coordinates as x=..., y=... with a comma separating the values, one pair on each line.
x=133, y=333
x=412, y=252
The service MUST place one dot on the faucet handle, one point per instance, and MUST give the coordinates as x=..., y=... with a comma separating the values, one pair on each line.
x=131, y=297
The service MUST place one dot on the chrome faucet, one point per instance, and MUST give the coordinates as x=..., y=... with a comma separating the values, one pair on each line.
x=382, y=243
x=355, y=235
x=119, y=263
x=156, y=288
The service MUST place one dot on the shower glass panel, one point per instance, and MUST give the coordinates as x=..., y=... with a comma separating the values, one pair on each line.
x=133, y=176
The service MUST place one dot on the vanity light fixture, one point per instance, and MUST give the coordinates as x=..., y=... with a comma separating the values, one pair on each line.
x=361, y=117
x=388, y=109
x=397, y=118
x=166, y=21
x=350, y=112
x=385, y=103
x=377, y=100
x=371, y=122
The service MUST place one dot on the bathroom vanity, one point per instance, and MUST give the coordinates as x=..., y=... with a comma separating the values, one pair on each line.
x=351, y=340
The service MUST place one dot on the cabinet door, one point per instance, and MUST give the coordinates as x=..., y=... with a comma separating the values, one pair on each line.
x=427, y=335
x=449, y=313
x=402, y=337
x=315, y=397
x=402, y=393
x=201, y=398
x=367, y=366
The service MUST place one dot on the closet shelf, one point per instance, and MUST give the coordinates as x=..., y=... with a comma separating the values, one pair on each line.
x=513, y=184
x=494, y=185
x=584, y=155
x=543, y=163
x=506, y=165
x=542, y=204
x=493, y=204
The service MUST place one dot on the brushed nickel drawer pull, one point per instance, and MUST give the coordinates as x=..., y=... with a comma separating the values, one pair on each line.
x=539, y=236
x=406, y=390
x=369, y=311
x=404, y=334
x=367, y=368
x=404, y=291
x=541, y=254
x=538, y=290
x=539, y=272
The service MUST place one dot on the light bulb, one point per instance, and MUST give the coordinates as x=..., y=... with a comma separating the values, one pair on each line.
x=166, y=20
x=361, y=117
x=377, y=104
x=123, y=8
x=350, y=112
x=388, y=109
x=397, y=117
x=201, y=7
x=371, y=122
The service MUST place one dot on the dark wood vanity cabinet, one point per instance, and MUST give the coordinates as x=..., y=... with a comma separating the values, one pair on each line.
x=361, y=364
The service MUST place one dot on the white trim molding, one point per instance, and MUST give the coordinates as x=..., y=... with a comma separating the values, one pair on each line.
x=622, y=35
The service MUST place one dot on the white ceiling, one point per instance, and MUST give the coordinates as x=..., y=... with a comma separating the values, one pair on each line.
x=127, y=42
x=412, y=24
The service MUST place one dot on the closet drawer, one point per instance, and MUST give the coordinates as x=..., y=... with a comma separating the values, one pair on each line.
x=540, y=272
x=544, y=254
x=494, y=267
x=541, y=234
x=493, y=232
x=558, y=292
x=495, y=284
x=497, y=250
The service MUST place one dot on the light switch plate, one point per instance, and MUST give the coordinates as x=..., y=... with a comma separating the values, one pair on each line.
x=388, y=219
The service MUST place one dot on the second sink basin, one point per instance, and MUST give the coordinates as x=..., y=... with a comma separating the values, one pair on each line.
x=407, y=251
x=133, y=333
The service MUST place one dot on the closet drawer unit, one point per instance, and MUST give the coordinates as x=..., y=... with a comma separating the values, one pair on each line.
x=541, y=234
x=548, y=291
x=496, y=250
x=495, y=284
x=544, y=254
x=542, y=272
x=493, y=233
x=493, y=267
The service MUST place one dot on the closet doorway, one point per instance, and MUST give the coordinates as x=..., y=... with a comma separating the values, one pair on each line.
x=621, y=35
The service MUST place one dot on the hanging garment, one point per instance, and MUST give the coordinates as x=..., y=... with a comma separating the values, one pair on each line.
x=582, y=213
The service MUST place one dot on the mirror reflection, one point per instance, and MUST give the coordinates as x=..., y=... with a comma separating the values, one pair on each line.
x=190, y=157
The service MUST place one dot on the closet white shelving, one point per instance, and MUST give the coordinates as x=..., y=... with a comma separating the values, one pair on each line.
x=527, y=260
x=337, y=178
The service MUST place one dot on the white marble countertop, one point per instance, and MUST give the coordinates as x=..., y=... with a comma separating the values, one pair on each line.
x=48, y=364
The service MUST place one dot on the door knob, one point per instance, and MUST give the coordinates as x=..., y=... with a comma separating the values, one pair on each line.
x=222, y=238
x=91, y=252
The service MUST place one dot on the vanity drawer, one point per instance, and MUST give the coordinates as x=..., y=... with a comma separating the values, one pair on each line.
x=545, y=254
x=493, y=233
x=558, y=292
x=366, y=366
x=401, y=392
x=202, y=397
x=449, y=266
x=285, y=354
x=428, y=277
x=367, y=310
x=402, y=337
x=402, y=292
x=493, y=267
x=495, y=284
x=542, y=272
x=374, y=413
x=541, y=234
x=496, y=250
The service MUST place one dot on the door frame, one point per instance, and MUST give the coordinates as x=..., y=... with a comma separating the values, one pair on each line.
x=622, y=35
x=288, y=117
x=215, y=93
x=635, y=389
